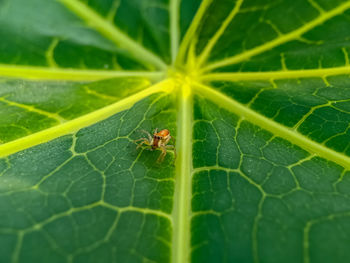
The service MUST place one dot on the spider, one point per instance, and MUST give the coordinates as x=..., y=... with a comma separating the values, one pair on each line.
x=159, y=140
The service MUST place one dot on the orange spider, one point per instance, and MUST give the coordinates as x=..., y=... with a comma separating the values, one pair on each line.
x=159, y=140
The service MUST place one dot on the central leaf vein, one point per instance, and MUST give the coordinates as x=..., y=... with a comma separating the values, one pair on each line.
x=182, y=204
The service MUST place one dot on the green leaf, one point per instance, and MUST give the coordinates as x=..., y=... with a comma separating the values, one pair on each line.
x=254, y=93
x=30, y=106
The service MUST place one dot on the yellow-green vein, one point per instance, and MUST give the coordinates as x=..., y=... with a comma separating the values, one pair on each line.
x=174, y=28
x=268, y=75
x=273, y=127
x=49, y=54
x=307, y=228
x=182, y=203
x=281, y=39
x=191, y=31
x=81, y=122
x=46, y=73
x=136, y=209
x=31, y=108
x=205, y=53
x=110, y=31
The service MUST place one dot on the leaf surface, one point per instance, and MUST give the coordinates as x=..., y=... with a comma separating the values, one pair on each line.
x=254, y=93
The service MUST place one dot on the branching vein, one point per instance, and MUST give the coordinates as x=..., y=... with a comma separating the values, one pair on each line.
x=81, y=122
x=113, y=33
x=281, y=39
x=275, y=128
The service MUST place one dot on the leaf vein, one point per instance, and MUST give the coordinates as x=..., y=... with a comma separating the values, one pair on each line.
x=113, y=33
x=277, y=129
x=281, y=39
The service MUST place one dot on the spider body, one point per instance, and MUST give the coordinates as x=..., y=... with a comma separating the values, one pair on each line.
x=158, y=140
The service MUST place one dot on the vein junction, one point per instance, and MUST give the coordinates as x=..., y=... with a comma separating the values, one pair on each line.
x=119, y=196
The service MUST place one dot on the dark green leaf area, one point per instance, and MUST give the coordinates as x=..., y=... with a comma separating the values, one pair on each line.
x=144, y=21
x=91, y=196
x=278, y=204
x=7, y=241
x=102, y=7
x=55, y=38
x=30, y=106
x=188, y=9
x=154, y=18
x=137, y=238
x=318, y=110
x=296, y=55
x=258, y=24
x=216, y=13
x=68, y=54
x=214, y=138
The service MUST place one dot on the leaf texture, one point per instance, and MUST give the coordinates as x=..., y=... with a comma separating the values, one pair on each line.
x=254, y=93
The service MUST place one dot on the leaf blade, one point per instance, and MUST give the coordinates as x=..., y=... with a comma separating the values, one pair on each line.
x=113, y=33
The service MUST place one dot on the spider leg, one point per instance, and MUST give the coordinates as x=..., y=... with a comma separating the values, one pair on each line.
x=172, y=147
x=148, y=135
x=167, y=140
x=162, y=155
x=155, y=131
x=144, y=141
